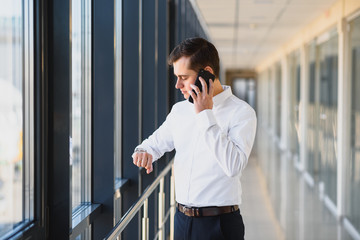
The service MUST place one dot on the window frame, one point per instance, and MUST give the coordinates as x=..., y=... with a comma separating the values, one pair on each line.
x=85, y=106
x=36, y=70
x=349, y=145
x=29, y=134
x=118, y=181
x=29, y=195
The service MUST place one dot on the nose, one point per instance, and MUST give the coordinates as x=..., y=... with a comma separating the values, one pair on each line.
x=178, y=84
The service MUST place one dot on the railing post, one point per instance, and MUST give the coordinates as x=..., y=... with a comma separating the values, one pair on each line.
x=172, y=203
x=161, y=210
x=145, y=221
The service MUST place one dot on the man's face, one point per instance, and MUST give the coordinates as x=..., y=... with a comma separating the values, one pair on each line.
x=185, y=76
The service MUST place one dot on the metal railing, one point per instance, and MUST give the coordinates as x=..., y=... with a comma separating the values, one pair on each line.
x=143, y=202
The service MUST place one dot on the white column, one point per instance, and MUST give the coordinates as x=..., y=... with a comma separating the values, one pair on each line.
x=285, y=113
x=343, y=117
x=304, y=101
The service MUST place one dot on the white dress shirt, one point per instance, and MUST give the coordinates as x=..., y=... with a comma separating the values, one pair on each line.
x=212, y=148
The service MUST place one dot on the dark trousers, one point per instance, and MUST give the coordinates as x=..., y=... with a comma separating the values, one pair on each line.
x=228, y=226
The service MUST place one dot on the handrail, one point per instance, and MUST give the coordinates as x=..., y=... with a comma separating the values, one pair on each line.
x=135, y=208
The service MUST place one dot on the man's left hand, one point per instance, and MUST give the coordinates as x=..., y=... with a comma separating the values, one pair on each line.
x=203, y=100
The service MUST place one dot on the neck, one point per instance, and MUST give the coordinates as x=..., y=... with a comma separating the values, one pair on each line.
x=217, y=87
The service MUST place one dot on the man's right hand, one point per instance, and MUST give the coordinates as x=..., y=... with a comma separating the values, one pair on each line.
x=143, y=159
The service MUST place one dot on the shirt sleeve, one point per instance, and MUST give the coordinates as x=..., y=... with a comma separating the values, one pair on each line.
x=232, y=148
x=160, y=141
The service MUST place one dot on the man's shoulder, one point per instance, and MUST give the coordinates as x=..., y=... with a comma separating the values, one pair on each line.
x=241, y=107
x=181, y=105
x=239, y=103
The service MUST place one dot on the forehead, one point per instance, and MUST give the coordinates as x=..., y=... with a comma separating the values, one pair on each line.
x=182, y=66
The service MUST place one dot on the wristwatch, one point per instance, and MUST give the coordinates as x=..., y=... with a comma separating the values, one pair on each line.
x=139, y=150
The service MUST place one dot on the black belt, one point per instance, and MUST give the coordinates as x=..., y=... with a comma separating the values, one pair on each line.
x=206, y=211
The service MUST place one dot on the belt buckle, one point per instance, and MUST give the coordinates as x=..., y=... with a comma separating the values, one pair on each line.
x=191, y=212
x=186, y=210
x=196, y=212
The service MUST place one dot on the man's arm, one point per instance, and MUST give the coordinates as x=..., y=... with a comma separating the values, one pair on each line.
x=152, y=148
x=231, y=149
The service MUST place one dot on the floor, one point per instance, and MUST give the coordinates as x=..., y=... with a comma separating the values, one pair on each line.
x=279, y=204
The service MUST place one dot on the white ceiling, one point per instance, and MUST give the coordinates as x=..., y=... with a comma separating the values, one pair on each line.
x=247, y=31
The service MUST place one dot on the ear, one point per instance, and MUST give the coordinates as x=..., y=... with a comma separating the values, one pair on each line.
x=209, y=69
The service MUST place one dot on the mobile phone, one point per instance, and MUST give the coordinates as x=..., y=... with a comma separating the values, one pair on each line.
x=206, y=75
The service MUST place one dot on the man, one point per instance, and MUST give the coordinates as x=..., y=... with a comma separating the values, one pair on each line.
x=213, y=138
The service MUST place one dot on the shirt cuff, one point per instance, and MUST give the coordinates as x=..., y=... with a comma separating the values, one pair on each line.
x=205, y=119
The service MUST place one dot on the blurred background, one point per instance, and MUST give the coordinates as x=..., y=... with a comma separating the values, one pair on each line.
x=82, y=83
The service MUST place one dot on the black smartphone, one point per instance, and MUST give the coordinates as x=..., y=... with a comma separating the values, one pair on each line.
x=206, y=75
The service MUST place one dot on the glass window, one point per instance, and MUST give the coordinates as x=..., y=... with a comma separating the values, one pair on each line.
x=16, y=115
x=80, y=131
x=278, y=100
x=353, y=166
x=313, y=115
x=294, y=64
x=269, y=93
x=85, y=235
x=262, y=103
x=118, y=107
x=118, y=89
x=244, y=89
x=327, y=130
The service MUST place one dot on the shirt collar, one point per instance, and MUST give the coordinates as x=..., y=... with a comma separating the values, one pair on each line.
x=221, y=97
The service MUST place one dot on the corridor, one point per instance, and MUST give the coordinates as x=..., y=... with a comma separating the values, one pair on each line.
x=278, y=203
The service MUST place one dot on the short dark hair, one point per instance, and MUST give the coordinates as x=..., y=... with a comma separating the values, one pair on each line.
x=202, y=53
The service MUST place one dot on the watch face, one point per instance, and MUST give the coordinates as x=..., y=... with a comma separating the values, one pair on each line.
x=140, y=150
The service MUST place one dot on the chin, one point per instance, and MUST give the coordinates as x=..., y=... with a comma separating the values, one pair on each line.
x=186, y=96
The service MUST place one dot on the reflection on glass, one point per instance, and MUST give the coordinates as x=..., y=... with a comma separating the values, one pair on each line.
x=293, y=204
x=263, y=99
x=294, y=131
x=80, y=103
x=353, y=166
x=244, y=88
x=11, y=115
x=117, y=106
x=278, y=100
x=85, y=235
x=118, y=85
x=269, y=93
x=328, y=80
x=312, y=114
